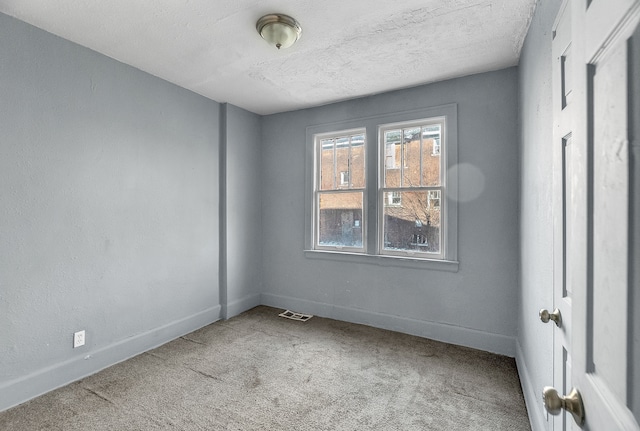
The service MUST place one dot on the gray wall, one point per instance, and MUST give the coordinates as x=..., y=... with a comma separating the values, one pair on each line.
x=121, y=194
x=534, y=353
x=476, y=306
x=241, y=228
x=108, y=211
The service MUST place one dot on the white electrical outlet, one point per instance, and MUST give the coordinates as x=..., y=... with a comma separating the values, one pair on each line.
x=78, y=339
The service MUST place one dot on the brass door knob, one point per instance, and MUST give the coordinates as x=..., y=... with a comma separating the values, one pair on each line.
x=572, y=403
x=545, y=316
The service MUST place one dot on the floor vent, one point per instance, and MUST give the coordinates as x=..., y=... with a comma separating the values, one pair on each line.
x=296, y=316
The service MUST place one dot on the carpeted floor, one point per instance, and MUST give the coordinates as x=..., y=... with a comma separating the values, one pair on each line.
x=258, y=371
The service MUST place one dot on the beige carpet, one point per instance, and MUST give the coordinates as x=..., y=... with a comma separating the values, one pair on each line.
x=259, y=371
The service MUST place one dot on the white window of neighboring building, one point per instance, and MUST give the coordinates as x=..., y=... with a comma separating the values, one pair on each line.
x=433, y=198
x=339, y=211
x=394, y=199
x=344, y=178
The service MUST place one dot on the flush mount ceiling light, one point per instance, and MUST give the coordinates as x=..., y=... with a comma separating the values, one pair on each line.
x=279, y=30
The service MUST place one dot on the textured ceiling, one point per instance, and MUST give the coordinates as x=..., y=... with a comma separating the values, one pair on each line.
x=348, y=48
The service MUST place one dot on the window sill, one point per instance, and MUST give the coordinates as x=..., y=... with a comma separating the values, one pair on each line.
x=384, y=260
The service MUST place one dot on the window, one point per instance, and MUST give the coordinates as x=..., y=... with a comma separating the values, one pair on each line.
x=394, y=199
x=436, y=147
x=382, y=188
x=339, y=191
x=344, y=178
x=412, y=217
x=433, y=199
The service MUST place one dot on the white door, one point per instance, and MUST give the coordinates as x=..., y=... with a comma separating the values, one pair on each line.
x=566, y=163
x=603, y=353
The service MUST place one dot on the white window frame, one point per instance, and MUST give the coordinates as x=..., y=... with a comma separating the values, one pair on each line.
x=382, y=189
x=371, y=252
x=339, y=187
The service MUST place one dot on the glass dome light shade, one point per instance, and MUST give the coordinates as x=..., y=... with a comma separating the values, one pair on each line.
x=282, y=31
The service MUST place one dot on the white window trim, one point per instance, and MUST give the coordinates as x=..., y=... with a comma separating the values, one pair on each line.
x=371, y=253
x=339, y=188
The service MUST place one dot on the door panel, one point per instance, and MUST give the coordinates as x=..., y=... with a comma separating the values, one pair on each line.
x=602, y=345
x=563, y=293
x=567, y=419
x=570, y=165
x=602, y=19
x=608, y=339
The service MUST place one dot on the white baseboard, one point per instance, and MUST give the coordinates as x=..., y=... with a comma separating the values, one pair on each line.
x=495, y=343
x=532, y=398
x=24, y=388
x=241, y=305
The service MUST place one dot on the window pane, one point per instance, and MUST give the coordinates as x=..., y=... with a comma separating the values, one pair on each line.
x=357, y=161
x=431, y=142
x=414, y=223
x=327, y=164
x=342, y=162
x=340, y=219
x=411, y=171
x=392, y=157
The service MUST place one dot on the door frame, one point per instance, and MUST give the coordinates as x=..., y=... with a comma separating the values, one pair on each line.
x=563, y=109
